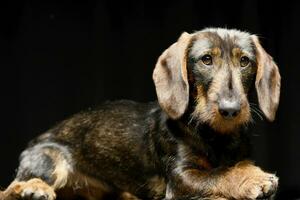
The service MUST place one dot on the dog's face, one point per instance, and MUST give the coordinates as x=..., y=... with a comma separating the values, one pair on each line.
x=216, y=68
x=222, y=67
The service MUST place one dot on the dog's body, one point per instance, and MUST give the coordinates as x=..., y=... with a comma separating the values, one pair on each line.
x=192, y=143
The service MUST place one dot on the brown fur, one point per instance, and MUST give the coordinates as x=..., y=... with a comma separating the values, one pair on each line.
x=249, y=181
x=166, y=73
x=267, y=81
x=18, y=189
x=183, y=147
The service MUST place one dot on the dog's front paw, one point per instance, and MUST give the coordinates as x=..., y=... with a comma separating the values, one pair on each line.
x=261, y=186
x=34, y=189
x=247, y=182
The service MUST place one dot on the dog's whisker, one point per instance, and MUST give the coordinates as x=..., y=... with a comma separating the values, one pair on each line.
x=256, y=107
x=191, y=119
x=258, y=110
x=195, y=134
x=257, y=113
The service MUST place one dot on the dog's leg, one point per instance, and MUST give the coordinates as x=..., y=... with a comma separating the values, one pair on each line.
x=32, y=189
x=243, y=181
x=43, y=169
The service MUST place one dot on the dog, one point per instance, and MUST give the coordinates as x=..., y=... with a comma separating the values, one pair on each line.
x=193, y=143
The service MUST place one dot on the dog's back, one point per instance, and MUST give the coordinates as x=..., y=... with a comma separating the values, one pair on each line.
x=189, y=145
x=108, y=146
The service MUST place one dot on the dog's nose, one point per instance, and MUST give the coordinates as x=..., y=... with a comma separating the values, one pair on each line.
x=229, y=109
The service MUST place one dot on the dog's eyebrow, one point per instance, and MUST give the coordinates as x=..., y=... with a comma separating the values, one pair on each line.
x=199, y=46
x=245, y=44
x=241, y=39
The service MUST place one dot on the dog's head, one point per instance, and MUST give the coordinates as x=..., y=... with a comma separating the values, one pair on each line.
x=216, y=68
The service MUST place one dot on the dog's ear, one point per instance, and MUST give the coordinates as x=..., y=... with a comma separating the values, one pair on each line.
x=171, y=79
x=267, y=81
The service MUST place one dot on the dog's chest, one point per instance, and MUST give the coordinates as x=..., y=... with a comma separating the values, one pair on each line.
x=226, y=150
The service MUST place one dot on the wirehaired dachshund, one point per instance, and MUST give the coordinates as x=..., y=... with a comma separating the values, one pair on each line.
x=192, y=143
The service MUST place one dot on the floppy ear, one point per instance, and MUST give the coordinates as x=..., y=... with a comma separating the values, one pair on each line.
x=170, y=78
x=267, y=81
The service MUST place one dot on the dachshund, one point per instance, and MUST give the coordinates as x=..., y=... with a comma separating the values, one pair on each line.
x=193, y=143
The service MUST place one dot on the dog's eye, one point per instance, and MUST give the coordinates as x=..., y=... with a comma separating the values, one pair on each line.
x=244, y=61
x=207, y=59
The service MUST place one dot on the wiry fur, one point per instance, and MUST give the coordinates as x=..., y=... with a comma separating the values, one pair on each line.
x=181, y=147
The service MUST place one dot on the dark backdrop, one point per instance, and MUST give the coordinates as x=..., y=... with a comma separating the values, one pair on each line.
x=58, y=58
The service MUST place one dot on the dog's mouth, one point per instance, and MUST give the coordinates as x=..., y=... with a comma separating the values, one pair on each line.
x=223, y=120
x=229, y=119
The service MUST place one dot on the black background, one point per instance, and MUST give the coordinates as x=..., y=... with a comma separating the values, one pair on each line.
x=58, y=58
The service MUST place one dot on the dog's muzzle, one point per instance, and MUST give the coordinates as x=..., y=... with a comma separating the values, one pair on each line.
x=229, y=109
